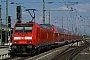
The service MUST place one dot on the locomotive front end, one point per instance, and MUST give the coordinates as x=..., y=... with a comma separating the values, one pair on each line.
x=22, y=38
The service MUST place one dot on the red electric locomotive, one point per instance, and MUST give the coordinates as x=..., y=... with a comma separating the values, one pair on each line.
x=30, y=37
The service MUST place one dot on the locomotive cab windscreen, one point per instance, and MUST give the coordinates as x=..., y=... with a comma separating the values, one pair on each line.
x=23, y=27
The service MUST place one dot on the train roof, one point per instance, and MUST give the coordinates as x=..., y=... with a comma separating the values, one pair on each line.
x=60, y=29
x=47, y=26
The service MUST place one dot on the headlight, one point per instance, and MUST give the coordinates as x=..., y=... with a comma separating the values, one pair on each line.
x=28, y=38
x=16, y=38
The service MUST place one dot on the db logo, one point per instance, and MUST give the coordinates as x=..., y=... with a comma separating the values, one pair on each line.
x=22, y=37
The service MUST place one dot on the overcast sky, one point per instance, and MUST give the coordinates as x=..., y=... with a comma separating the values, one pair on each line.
x=78, y=19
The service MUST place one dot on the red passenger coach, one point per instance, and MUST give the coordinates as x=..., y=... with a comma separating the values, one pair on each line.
x=29, y=36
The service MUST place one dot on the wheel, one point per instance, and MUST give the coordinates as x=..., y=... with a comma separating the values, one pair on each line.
x=12, y=54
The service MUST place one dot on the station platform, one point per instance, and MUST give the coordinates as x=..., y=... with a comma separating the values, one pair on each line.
x=4, y=52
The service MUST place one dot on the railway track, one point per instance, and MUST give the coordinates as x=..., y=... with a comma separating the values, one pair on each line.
x=71, y=52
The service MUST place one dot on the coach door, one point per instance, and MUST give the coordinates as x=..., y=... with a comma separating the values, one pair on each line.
x=58, y=37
